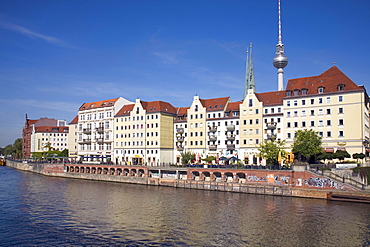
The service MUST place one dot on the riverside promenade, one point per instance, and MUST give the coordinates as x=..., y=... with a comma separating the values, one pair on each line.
x=293, y=183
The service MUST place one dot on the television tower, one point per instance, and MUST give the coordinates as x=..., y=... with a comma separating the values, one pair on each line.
x=280, y=60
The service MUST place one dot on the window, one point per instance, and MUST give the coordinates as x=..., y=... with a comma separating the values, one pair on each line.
x=321, y=134
x=312, y=123
x=296, y=113
x=341, y=133
x=328, y=134
x=312, y=101
x=328, y=100
x=341, y=122
x=288, y=124
x=321, y=112
x=295, y=124
x=288, y=103
x=266, y=111
x=341, y=87
x=328, y=111
x=303, y=124
x=312, y=113
x=288, y=114
x=250, y=102
x=340, y=98
x=304, y=91
x=320, y=100
x=303, y=113
x=288, y=93
x=257, y=111
x=295, y=102
x=328, y=122
x=321, y=123
x=303, y=102
x=279, y=109
x=320, y=90
x=340, y=110
x=289, y=135
x=295, y=92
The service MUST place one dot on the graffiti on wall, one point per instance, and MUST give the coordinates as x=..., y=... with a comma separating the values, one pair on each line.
x=322, y=183
x=254, y=178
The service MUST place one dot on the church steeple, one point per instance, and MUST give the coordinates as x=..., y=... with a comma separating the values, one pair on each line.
x=249, y=82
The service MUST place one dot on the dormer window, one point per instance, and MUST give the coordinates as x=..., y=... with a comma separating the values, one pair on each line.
x=288, y=93
x=341, y=87
x=92, y=105
x=320, y=90
x=296, y=92
x=104, y=103
x=304, y=91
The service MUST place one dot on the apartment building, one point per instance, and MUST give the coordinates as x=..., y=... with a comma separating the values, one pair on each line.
x=96, y=129
x=144, y=133
x=72, y=138
x=44, y=134
x=331, y=104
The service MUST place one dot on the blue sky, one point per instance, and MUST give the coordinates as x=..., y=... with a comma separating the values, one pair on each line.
x=57, y=55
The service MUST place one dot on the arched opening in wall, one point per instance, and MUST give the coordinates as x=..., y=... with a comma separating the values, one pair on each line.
x=206, y=176
x=217, y=176
x=112, y=171
x=141, y=173
x=77, y=169
x=67, y=168
x=195, y=175
x=241, y=177
x=93, y=170
x=82, y=170
x=105, y=170
x=229, y=177
x=126, y=172
x=88, y=169
x=133, y=172
x=100, y=170
x=119, y=171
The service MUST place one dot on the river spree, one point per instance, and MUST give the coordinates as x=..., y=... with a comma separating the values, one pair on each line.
x=37, y=210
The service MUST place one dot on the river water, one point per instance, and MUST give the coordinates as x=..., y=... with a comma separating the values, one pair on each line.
x=37, y=210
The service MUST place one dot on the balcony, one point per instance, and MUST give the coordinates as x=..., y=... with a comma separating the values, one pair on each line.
x=212, y=147
x=180, y=148
x=86, y=131
x=230, y=147
x=180, y=138
x=213, y=138
x=99, y=140
x=88, y=140
x=100, y=129
x=180, y=131
x=231, y=138
x=230, y=127
x=213, y=129
x=271, y=136
x=271, y=125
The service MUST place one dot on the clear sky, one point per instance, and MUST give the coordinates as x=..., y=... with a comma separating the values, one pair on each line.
x=57, y=55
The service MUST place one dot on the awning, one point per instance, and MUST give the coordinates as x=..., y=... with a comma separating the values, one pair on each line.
x=329, y=150
x=341, y=149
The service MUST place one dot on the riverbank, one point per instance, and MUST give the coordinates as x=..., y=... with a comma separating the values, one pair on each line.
x=269, y=182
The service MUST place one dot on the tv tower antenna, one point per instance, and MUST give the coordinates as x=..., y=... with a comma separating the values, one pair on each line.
x=280, y=61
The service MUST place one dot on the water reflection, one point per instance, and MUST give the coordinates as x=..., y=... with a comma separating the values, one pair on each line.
x=39, y=210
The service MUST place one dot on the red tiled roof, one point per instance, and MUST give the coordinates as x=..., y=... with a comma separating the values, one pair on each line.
x=330, y=80
x=63, y=129
x=233, y=106
x=125, y=110
x=158, y=106
x=98, y=104
x=181, y=111
x=271, y=98
x=216, y=104
x=150, y=107
x=75, y=120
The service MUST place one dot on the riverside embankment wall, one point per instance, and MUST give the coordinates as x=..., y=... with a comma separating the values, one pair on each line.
x=271, y=186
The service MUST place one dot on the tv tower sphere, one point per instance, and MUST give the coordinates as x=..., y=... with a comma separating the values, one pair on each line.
x=280, y=61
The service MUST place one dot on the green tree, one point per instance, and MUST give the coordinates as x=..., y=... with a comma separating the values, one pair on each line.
x=9, y=150
x=18, y=148
x=307, y=143
x=340, y=154
x=187, y=157
x=64, y=153
x=269, y=150
x=358, y=156
x=209, y=159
